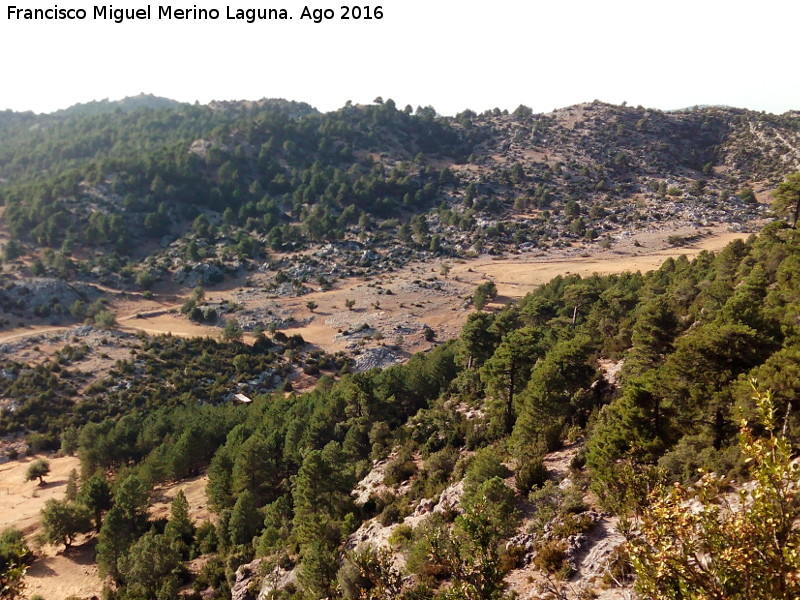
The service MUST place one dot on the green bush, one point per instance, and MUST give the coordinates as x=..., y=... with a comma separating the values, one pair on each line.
x=400, y=469
x=485, y=465
x=531, y=473
x=439, y=465
x=401, y=535
x=552, y=557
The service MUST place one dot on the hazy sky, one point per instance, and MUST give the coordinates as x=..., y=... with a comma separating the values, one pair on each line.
x=445, y=53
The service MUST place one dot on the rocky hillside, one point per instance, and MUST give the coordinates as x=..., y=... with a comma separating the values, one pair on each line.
x=193, y=194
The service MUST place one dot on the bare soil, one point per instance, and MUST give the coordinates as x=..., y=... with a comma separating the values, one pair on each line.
x=54, y=574
x=399, y=305
x=57, y=574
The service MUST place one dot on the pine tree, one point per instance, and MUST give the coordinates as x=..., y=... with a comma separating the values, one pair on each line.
x=507, y=371
x=72, y=485
x=180, y=530
x=96, y=495
x=787, y=198
x=245, y=522
x=148, y=565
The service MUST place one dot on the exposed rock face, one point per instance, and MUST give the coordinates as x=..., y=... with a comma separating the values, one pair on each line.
x=373, y=358
x=250, y=584
x=604, y=542
x=245, y=575
x=374, y=534
x=46, y=292
x=200, y=274
x=372, y=482
x=278, y=579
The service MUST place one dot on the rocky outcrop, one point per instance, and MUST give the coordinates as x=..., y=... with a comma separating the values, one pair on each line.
x=252, y=584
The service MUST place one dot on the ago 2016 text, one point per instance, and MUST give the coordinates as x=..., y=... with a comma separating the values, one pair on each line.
x=345, y=13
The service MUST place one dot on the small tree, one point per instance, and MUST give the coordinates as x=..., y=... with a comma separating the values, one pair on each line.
x=180, y=530
x=311, y=305
x=105, y=319
x=150, y=565
x=787, y=198
x=63, y=520
x=349, y=304
x=72, y=485
x=232, y=332
x=698, y=543
x=38, y=470
x=484, y=293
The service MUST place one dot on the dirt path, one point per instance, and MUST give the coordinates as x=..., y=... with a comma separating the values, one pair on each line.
x=31, y=333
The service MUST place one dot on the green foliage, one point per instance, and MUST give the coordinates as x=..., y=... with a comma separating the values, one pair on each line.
x=179, y=529
x=38, y=469
x=497, y=503
x=150, y=566
x=232, y=332
x=244, y=523
x=507, y=372
x=368, y=574
x=95, y=495
x=787, y=198
x=439, y=465
x=105, y=319
x=552, y=504
x=530, y=473
x=63, y=520
x=485, y=292
x=472, y=555
x=690, y=334
x=477, y=341
x=71, y=492
x=124, y=522
x=485, y=465
x=14, y=558
x=319, y=569
x=556, y=390
x=745, y=547
x=551, y=557
x=400, y=469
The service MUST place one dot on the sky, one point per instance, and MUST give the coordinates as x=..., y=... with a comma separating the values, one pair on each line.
x=448, y=54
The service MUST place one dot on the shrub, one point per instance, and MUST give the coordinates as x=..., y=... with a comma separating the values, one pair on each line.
x=530, y=474
x=399, y=470
x=439, y=465
x=749, y=547
x=390, y=514
x=401, y=535
x=484, y=466
x=552, y=557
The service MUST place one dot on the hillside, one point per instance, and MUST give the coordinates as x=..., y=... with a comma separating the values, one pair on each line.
x=141, y=199
x=379, y=353
x=519, y=450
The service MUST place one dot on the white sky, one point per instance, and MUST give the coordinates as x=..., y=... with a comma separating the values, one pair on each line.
x=445, y=53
